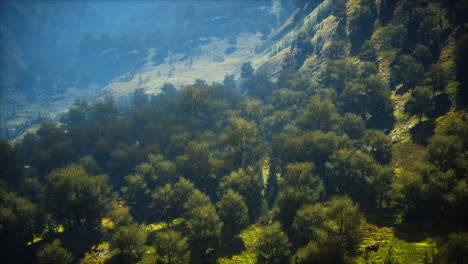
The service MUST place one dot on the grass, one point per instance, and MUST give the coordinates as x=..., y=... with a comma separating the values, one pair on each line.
x=203, y=67
x=250, y=237
x=403, y=251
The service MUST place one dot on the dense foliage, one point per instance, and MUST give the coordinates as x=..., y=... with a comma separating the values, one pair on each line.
x=307, y=159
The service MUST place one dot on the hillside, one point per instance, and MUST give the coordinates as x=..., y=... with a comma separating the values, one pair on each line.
x=336, y=136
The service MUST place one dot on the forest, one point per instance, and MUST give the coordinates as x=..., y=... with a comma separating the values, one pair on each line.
x=362, y=159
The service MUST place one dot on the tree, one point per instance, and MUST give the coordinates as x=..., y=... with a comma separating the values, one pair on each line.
x=420, y=103
x=140, y=97
x=273, y=246
x=137, y=195
x=353, y=126
x=378, y=145
x=197, y=164
x=233, y=212
x=438, y=78
x=423, y=55
x=79, y=114
x=195, y=199
x=181, y=192
x=162, y=203
x=320, y=114
x=348, y=173
x=315, y=146
x=381, y=182
x=461, y=60
x=128, y=241
x=247, y=70
x=302, y=47
x=19, y=220
x=204, y=227
x=75, y=197
x=301, y=177
x=345, y=221
x=368, y=51
x=229, y=81
x=309, y=223
x=443, y=150
x=171, y=248
x=378, y=103
x=336, y=50
x=248, y=183
x=455, y=250
x=243, y=143
x=362, y=24
x=409, y=72
x=104, y=111
x=120, y=216
x=54, y=253
x=337, y=73
x=319, y=252
x=339, y=8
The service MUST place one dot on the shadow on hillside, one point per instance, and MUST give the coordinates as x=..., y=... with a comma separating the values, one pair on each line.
x=80, y=240
x=442, y=105
x=231, y=247
x=382, y=218
x=421, y=132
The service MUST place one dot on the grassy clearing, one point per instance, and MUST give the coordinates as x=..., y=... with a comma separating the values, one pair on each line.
x=250, y=237
x=202, y=67
x=403, y=251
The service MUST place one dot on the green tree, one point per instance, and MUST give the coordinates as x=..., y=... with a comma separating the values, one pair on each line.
x=423, y=55
x=309, y=222
x=75, y=197
x=381, y=182
x=247, y=70
x=339, y=8
x=243, y=142
x=438, y=78
x=233, y=212
x=273, y=246
x=455, y=250
x=348, y=173
x=443, y=150
x=302, y=47
x=163, y=203
x=409, y=72
x=319, y=252
x=229, y=81
x=248, y=183
x=345, y=221
x=368, y=52
x=337, y=73
x=171, y=248
x=204, y=228
x=137, y=195
x=195, y=199
x=182, y=189
x=420, y=103
x=336, y=50
x=19, y=220
x=353, y=126
x=301, y=177
x=120, y=216
x=197, y=164
x=54, y=253
x=378, y=145
x=361, y=24
x=320, y=114
x=129, y=242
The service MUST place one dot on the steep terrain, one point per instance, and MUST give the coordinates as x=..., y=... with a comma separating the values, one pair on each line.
x=346, y=142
